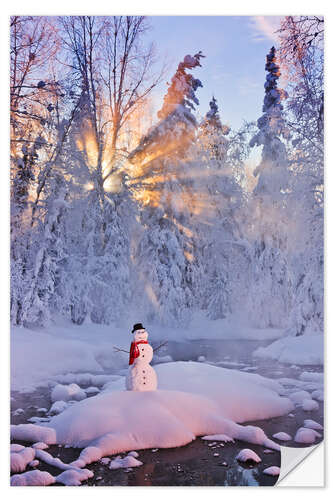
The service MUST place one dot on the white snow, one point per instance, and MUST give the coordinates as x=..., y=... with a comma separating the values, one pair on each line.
x=40, y=445
x=91, y=390
x=20, y=459
x=272, y=471
x=19, y=411
x=67, y=392
x=312, y=377
x=219, y=437
x=58, y=407
x=302, y=350
x=73, y=477
x=307, y=436
x=134, y=454
x=33, y=433
x=310, y=405
x=32, y=478
x=248, y=455
x=299, y=397
x=282, y=436
x=318, y=394
x=124, y=463
x=16, y=447
x=311, y=424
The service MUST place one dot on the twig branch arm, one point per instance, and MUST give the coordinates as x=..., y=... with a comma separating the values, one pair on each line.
x=161, y=345
x=119, y=350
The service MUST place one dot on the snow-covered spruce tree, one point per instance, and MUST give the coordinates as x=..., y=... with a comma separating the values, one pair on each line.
x=164, y=255
x=270, y=288
x=302, y=53
x=43, y=296
x=218, y=162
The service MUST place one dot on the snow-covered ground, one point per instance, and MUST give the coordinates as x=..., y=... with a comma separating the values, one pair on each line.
x=303, y=350
x=37, y=355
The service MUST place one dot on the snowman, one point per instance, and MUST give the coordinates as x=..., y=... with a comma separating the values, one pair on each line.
x=141, y=376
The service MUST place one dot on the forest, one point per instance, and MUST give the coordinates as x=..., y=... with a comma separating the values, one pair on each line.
x=115, y=209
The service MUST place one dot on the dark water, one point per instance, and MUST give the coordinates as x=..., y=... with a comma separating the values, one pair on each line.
x=195, y=463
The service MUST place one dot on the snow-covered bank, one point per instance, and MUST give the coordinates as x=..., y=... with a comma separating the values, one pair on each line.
x=303, y=350
x=38, y=355
x=193, y=400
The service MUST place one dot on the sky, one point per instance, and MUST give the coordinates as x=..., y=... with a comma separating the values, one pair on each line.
x=234, y=68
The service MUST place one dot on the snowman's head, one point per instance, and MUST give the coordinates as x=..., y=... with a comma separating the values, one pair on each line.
x=140, y=335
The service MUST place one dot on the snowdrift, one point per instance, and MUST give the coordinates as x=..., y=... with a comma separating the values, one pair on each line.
x=303, y=350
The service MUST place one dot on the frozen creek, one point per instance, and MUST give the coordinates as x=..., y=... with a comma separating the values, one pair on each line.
x=199, y=462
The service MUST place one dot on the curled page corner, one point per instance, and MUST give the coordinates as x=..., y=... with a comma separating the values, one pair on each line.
x=299, y=469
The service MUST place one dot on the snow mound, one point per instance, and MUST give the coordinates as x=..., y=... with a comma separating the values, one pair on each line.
x=299, y=397
x=58, y=407
x=312, y=377
x=241, y=396
x=282, y=436
x=16, y=447
x=310, y=405
x=272, y=471
x=73, y=477
x=33, y=433
x=219, y=437
x=306, y=436
x=302, y=350
x=318, y=395
x=311, y=424
x=32, y=478
x=124, y=463
x=247, y=455
x=67, y=392
x=20, y=459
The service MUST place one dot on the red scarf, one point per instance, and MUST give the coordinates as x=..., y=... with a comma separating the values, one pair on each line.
x=134, y=350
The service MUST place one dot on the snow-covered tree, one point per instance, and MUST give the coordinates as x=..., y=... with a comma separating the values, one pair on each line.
x=164, y=255
x=43, y=296
x=269, y=294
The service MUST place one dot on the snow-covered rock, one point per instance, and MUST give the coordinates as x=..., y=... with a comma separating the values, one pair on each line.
x=306, y=436
x=19, y=411
x=302, y=350
x=311, y=424
x=67, y=392
x=310, y=405
x=282, y=436
x=33, y=433
x=74, y=477
x=219, y=437
x=20, y=459
x=312, y=377
x=91, y=390
x=134, y=454
x=299, y=396
x=124, y=463
x=40, y=446
x=32, y=478
x=58, y=407
x=272, y=471
x=16, y=447
x=247, y=455
x=318, y=395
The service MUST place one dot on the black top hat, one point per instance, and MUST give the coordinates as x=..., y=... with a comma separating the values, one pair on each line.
x=138, y=326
